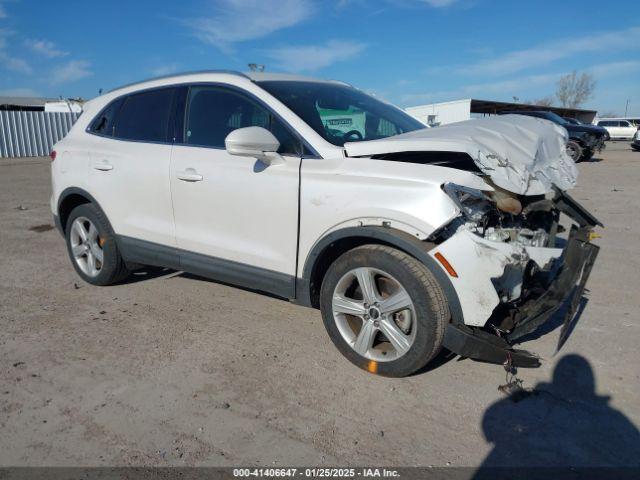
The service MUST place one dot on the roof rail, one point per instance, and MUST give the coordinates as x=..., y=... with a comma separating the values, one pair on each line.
x=163, y=77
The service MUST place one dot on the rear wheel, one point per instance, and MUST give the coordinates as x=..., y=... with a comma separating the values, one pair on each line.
x=574, y=150
x=383, y=310
x=92, y=247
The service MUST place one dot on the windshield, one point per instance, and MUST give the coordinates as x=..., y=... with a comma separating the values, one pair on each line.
x=554, y=117
x=340, y=113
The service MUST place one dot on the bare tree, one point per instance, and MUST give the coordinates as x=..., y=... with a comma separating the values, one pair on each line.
x=542, y=101
x=573, y=89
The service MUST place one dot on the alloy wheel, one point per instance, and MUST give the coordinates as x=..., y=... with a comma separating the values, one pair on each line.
x=374, y=314
x=86, y=246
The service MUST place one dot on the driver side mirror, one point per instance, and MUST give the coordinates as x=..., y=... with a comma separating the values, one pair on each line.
x=256, y=142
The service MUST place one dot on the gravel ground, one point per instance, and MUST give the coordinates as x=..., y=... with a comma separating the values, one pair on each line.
x=170, y=369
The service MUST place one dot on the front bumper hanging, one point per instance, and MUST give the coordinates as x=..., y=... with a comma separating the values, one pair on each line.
x=566, y=289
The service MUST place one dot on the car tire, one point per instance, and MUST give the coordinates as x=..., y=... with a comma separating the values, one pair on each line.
x=587, y=154
x=92, y=247
x=574, y=150
x=417, y=331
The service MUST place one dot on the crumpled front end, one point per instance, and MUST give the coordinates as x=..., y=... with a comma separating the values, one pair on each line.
x=510, y=269
x=523, y=155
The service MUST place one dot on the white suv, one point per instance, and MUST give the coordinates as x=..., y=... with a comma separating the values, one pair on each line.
x=618, y=129
x=406, y=238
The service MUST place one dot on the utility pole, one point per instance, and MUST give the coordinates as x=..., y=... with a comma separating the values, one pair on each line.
x=626, y=108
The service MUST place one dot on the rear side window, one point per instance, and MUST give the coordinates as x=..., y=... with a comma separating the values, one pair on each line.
x=214, y=112
x=146, y=116
x=103, y=124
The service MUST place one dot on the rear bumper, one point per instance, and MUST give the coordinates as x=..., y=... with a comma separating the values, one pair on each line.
x=563, y=292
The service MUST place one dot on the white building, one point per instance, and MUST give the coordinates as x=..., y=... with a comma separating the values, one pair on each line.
x=63, y=106
x=459, y=110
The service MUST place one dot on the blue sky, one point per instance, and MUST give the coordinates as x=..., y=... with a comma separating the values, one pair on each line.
x=407, y=51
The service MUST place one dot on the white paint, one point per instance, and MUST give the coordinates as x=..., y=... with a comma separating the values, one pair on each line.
x=477, y=261
x=240, y=208
x=525, y=155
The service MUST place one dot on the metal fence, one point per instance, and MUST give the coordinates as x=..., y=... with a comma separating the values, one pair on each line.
x=31, y=134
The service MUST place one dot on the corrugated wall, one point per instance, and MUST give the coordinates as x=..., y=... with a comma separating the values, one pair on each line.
x=32, y=134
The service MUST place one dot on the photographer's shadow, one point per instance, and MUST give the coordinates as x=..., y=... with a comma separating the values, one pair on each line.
x=560, y=424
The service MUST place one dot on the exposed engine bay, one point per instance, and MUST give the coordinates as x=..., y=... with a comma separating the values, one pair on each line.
x=508, y=255
x=502, y=250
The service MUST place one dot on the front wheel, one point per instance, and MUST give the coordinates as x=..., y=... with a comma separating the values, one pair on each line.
x=384, y=310
x=574, y=150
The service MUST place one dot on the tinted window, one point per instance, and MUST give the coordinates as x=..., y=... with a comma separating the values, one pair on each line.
x=624, y=123
x=145, y=116
x=104, y=122
x=213, y=113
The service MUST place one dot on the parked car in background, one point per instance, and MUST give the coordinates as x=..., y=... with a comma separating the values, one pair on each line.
x=635, y=144
x=584, y=140
x=618, y=129
x=408, y=239
x=574, y=121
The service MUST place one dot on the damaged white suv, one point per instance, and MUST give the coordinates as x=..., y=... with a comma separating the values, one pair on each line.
x=407, y=239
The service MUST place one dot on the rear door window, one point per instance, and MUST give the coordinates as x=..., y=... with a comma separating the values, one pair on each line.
x=146, y=116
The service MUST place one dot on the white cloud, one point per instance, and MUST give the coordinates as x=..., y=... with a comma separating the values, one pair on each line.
x=236, y=21
x=514, y=86
x=298, y=58
x=167, y=69
x=519, y=86
x=614, y=68
x=9, y=62
x=547, y=53
x=71, y=71
x=19, y=92
x=45, y=48
x=15, y=64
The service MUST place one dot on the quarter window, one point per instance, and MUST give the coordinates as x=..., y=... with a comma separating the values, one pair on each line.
x=213, y=113
x=145, y=116
x=103, y=124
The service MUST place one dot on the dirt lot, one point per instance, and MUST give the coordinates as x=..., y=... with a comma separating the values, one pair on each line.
x=171, y=369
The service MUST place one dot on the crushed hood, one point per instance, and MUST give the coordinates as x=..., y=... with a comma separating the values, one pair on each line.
x=524, y=155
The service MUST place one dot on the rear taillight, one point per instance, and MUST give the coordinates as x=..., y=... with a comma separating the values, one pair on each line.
x=53, y=155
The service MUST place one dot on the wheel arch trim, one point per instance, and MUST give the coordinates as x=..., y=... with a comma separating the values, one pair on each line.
x=382, y=235
x=66, y=193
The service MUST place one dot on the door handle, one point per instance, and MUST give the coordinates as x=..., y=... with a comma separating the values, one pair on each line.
x=103, y=166
x=189, y=175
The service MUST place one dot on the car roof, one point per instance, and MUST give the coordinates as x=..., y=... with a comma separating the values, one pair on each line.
x=252, y=76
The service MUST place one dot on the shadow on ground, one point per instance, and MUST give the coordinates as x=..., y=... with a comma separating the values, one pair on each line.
x=564, y=423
